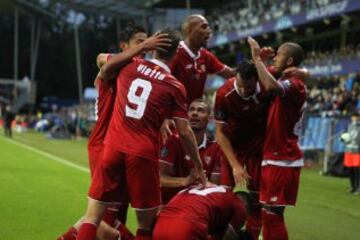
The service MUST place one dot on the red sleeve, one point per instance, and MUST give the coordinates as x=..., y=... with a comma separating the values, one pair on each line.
x=213, y=64
x=168, y=152
x=220, y=113
x=294, y=89
x=219, y=157
x=179, y=105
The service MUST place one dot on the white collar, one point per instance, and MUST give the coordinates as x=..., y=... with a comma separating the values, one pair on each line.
x=253, y=96
x=161, y=64
x=203, y=143
x=188, y=50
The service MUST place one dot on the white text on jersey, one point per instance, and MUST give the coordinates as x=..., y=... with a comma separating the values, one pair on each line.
x=147, y=71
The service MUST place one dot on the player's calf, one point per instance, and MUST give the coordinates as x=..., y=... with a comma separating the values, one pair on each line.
x=273, y=223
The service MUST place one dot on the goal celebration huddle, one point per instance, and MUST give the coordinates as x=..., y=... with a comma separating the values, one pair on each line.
x=150, y=147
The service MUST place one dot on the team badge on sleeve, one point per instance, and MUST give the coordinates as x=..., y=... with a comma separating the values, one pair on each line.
x=164, y=152
x=219, y=114
x=286, y=84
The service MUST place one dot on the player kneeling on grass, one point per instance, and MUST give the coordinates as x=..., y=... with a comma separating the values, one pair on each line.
x=200, y=213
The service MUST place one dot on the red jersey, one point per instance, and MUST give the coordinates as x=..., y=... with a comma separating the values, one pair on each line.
x=245, y=117
x=214, y=207
x=284, y=125
x=173, y=154
x=146, y=94
x=192, y=69
x=103, y=110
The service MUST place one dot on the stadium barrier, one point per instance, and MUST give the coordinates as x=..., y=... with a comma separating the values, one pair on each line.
x=322, y=133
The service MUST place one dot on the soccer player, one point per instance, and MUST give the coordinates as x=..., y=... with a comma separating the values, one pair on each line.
x=176, y=166
x=133, y=40
x=192, y=62
x=197, y=213
x=282, y=157
x=146, y=94
x=240, y=115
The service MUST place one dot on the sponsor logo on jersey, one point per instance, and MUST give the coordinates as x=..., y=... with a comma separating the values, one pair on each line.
x=207, y=159
x=273, y=199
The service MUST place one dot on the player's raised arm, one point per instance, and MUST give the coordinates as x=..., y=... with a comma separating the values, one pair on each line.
x=188, y=141
x=266, y=78
x=156, y=42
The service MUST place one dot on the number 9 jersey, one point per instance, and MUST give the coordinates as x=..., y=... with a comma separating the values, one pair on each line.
x=146, y=95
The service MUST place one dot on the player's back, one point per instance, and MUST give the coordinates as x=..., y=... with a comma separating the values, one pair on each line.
x=146, y=94
x=246, y=117
x=103, y=110
x=212, y=206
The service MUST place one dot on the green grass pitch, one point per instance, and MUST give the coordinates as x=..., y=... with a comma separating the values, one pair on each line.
x=41, y=195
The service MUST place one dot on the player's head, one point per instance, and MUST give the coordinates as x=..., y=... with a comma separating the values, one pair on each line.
x=170, y=51
x=246, y=78
x=131, y=36
x=289, y=54
x=247, y=200
x=199, y=112
x=196, y=29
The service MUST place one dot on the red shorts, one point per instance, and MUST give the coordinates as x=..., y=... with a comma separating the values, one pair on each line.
x=252, y=164
x=279, y=185
x=119, y=175
x=94, y=155
x=178, y=229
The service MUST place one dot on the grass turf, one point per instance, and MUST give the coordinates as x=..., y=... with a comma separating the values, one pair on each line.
x=41, y=198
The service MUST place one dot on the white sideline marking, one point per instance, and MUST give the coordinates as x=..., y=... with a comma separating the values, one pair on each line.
x=53, y=157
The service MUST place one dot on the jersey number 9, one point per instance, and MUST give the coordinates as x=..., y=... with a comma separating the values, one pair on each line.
x=139, y=100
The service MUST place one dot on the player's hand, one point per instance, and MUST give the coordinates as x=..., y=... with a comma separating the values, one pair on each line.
x=192, y=178
x=201, y=176
x=241, y=176
x=266, y=53
x=255, y=49
x=301, y=73
x=156, y=42
x=165, y=129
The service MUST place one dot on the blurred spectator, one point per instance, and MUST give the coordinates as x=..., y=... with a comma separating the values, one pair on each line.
x=352, y=153
x=333, y=95
x=347, y=52
x=240, y=15
x=8, y=117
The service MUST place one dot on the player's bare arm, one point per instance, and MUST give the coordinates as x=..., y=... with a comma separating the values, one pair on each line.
x=166, y=129
x=227, y=72
x=301, y=73
x=188, y=141
x=166, y=180
x=240, y=175
x=101, y=59
x=270, y=84
x=156, y=42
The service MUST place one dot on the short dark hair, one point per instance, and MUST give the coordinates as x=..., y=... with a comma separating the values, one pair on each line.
x=201, y=100
x=169, y=52
x=248, y=201
x=129, y=32
x=247, y=70
x=294, y=51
